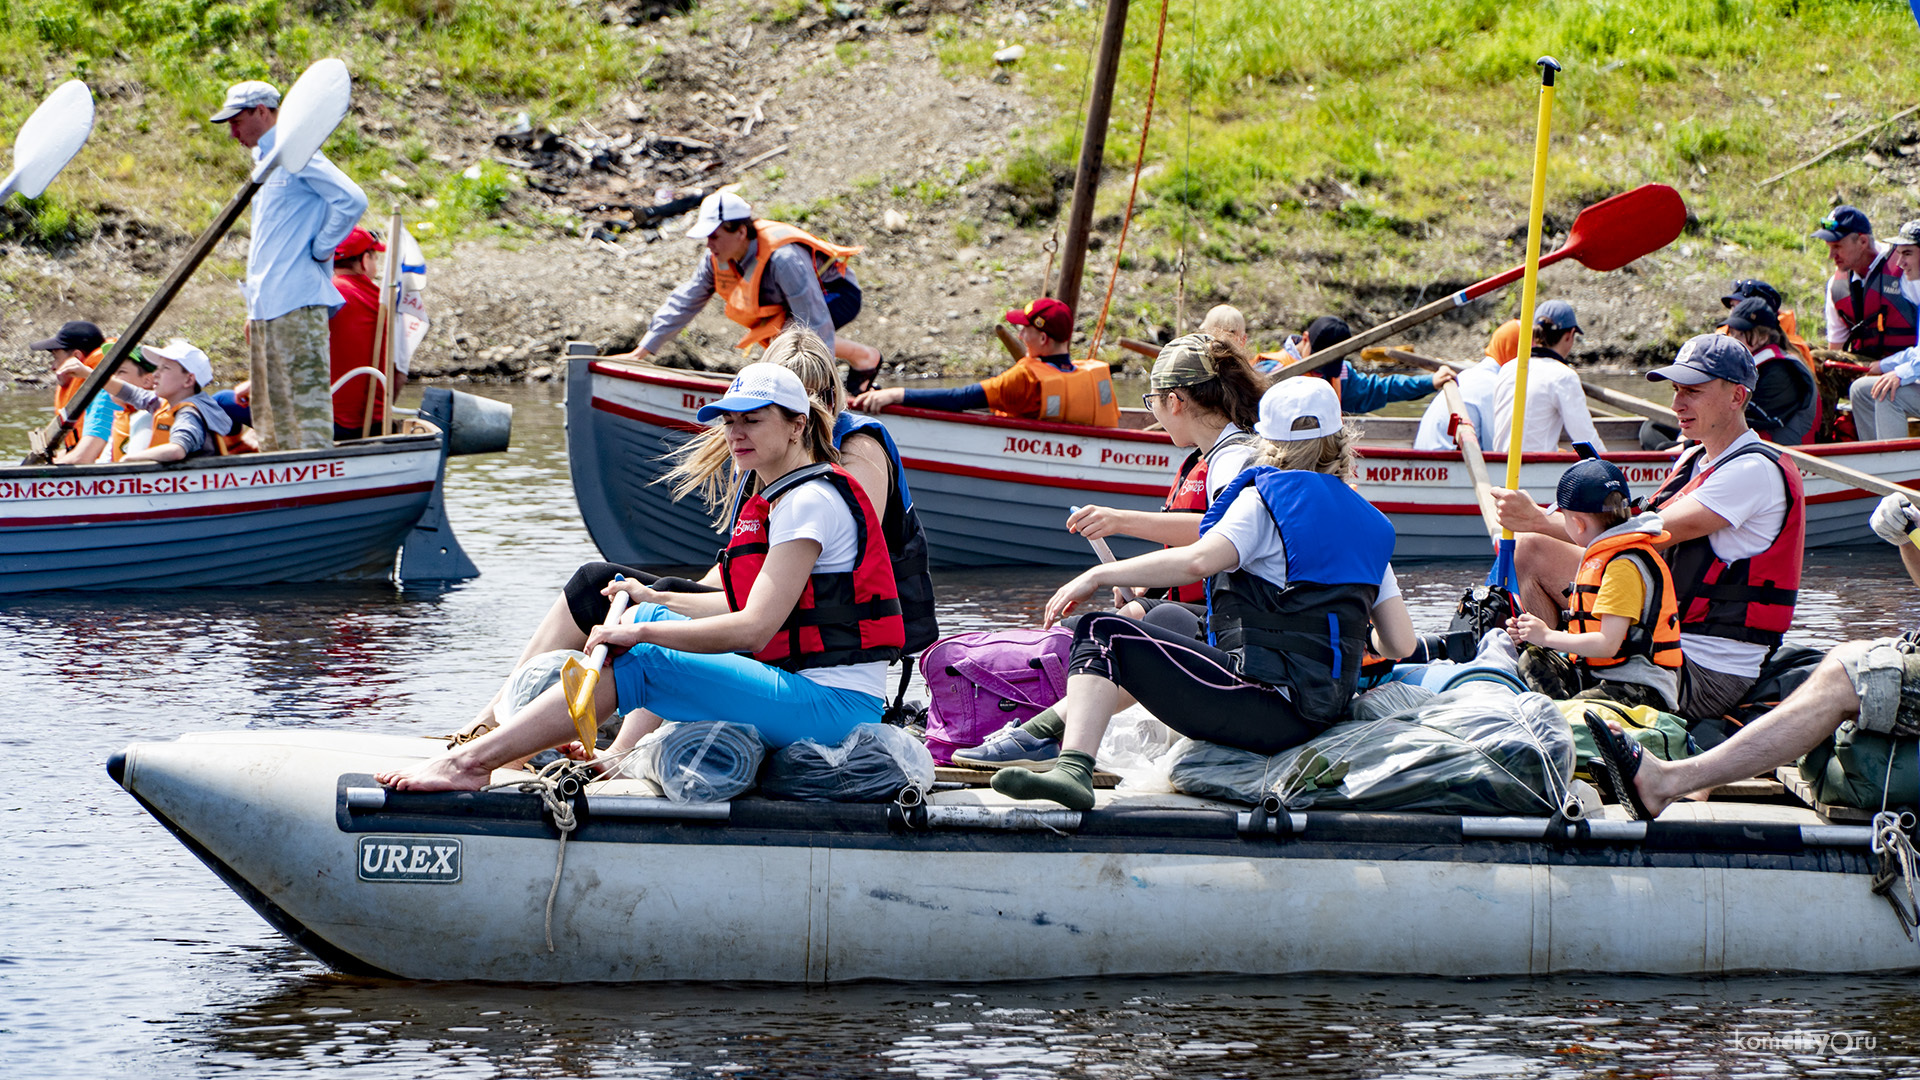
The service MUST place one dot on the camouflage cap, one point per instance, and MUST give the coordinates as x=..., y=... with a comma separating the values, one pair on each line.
x=1183, y=362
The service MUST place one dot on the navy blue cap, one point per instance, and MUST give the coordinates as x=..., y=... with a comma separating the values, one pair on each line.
x=1846, y=221
x=83, y=336
x=1556, y=315
x=1751, y=312
x=1584, y=487
x=1327, y=330
x=1749, y=288
x=1709, y=356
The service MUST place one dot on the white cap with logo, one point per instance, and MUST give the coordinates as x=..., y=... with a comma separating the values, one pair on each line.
x=756, y=387
x=184, y=353
x=1299, y=409
x=246, y=95
x=719, y=207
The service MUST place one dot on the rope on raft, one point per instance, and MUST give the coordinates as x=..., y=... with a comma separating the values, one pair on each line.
x=556, y=784
x=1146, y=125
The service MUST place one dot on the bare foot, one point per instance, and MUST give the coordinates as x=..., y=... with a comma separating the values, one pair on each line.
x=443, y=773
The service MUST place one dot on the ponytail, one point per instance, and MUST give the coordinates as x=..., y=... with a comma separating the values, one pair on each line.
x=1234, y=391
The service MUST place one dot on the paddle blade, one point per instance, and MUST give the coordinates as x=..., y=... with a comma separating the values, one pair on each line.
x=1613, y=232
x=311, y=110
x=51, y=136
x=1502, y=576
x=577, y=682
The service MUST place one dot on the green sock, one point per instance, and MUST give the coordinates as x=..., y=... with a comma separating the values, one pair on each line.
x=1070, y=783
x=1046, y=724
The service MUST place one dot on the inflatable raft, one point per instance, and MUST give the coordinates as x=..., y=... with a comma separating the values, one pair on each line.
x=962, y=885
x=996, y=491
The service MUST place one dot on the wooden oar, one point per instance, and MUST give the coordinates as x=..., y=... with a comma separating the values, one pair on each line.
x=1469, y=439
x=1605, y=236
x=1104, y=552
x=48, y=140
x=578, y=681
x=314, y=106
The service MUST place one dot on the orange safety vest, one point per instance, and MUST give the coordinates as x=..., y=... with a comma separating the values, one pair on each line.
x=163, y=428
x=742, y=294
x=1656, y=635
x=63, y=393
x=1081, y=396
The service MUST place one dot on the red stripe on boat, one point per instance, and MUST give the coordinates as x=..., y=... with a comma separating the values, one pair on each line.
x=321, y=499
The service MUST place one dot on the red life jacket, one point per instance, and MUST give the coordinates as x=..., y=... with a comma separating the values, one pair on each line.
x=845, y=617
x=1880, y=320
x=1188, y=495
x=1748, y=599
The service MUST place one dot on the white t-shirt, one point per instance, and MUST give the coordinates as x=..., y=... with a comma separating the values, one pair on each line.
x=1751, y=495
x=1227, y=461
x=1250, y=529
x=1555, y=402
x=1479, y=390
x=814, y=511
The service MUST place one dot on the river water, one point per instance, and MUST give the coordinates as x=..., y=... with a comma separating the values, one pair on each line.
x=120, y=955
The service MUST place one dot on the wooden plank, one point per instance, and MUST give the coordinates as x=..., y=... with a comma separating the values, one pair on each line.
x=960, y=774
x=1789, y=776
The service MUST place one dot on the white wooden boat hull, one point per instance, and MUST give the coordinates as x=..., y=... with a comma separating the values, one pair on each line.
x=455, y=887
x=995, y=491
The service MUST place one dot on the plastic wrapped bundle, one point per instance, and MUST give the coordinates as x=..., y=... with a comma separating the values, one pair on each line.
x=1388, y=699
x=530, y=680
x=1476, y=750
x=709, y=761
x=870, y=765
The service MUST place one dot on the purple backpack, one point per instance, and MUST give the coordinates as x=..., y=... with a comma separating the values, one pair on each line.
x=982, y=681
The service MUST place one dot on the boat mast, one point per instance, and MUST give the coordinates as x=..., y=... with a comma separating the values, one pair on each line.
x=1093, y=142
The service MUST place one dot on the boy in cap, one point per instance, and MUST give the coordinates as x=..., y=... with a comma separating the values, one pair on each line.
x=766, y=271
x=187, y=420
x=1871, y=308
x=1622, y=640
x=1555, y=401
x=1045, y=384
x=1786, y=400
x=299, y=218
x=71, y=354
x=351, y=334
x=1884, y=399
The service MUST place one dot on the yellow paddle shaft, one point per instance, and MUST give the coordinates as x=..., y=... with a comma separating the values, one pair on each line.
x=579, y=681
x=1529, y=281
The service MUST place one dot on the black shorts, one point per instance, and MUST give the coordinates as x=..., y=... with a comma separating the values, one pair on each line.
x=590, y=608
x=843, y=301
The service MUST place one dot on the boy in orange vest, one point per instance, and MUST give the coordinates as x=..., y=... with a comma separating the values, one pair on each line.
x=1622, y=641
x=766, y=271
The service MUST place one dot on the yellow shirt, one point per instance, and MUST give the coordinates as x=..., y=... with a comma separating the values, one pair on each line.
x=1623, y=591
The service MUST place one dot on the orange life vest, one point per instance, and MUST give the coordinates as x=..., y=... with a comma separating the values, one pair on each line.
x=1656, y=634
x=1081, y=396
x=64, y=392
x=742, y=294
x=163, y=428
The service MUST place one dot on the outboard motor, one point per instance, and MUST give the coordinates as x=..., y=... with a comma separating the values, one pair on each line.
x=479, y=425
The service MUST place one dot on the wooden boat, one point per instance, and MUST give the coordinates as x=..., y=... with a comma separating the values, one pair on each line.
x=343, y=513
x=995, y=491
x=965, y=886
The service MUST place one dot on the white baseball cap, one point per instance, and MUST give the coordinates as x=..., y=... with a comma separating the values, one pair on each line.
x=184, y=353
x=245, y=95
x=1299, y=409
x=756, y=387
x=721, y=206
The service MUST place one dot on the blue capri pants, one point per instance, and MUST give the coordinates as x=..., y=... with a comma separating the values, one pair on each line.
x=689, y=687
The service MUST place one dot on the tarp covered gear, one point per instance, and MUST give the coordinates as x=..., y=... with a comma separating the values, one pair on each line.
x=872, y=764
x=708, y=761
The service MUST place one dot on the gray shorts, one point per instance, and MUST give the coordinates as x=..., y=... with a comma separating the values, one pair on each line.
x=1706, y=694
x=1885, y=673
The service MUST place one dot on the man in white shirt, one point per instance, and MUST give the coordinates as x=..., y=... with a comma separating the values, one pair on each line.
x=1735, y=515
x=1883, y=401
x=1555, y=402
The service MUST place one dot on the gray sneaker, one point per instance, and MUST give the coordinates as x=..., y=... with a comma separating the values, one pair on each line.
x=1011, y=746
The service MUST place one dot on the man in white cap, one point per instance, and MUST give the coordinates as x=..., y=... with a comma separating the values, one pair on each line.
x=765, y=272
x=299, y=216
x=186, y=418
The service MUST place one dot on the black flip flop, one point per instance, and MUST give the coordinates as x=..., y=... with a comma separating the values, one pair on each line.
x=1619, y=759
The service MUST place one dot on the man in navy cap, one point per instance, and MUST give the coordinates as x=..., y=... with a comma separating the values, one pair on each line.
x=1871, y=309
x=1736, y=514
x=1555, y=401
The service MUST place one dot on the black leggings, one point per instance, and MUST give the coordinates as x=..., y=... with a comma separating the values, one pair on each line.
x=590, y=608
x=1189, y=685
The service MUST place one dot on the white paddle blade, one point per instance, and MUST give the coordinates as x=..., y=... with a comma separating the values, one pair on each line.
x=51, y=136
x=311, y=110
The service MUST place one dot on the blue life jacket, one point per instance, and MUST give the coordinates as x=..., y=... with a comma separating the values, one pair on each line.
x=906, y=540
x=1309, y=635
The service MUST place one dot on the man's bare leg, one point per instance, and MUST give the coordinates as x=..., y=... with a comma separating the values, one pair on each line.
x=858, y=357
x=1545, y=567
x=1809, y=717
x=468, y=767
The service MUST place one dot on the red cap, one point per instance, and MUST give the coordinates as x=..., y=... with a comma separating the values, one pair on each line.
x=1047, y=315
x=357, y=243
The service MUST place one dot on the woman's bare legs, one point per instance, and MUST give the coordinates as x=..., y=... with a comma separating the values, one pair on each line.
x=556, y=631
x=468, y=767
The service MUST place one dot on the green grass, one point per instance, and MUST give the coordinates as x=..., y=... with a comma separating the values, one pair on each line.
x=1425, y=110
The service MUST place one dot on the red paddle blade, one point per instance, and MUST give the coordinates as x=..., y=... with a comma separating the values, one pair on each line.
x=1613, y=232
